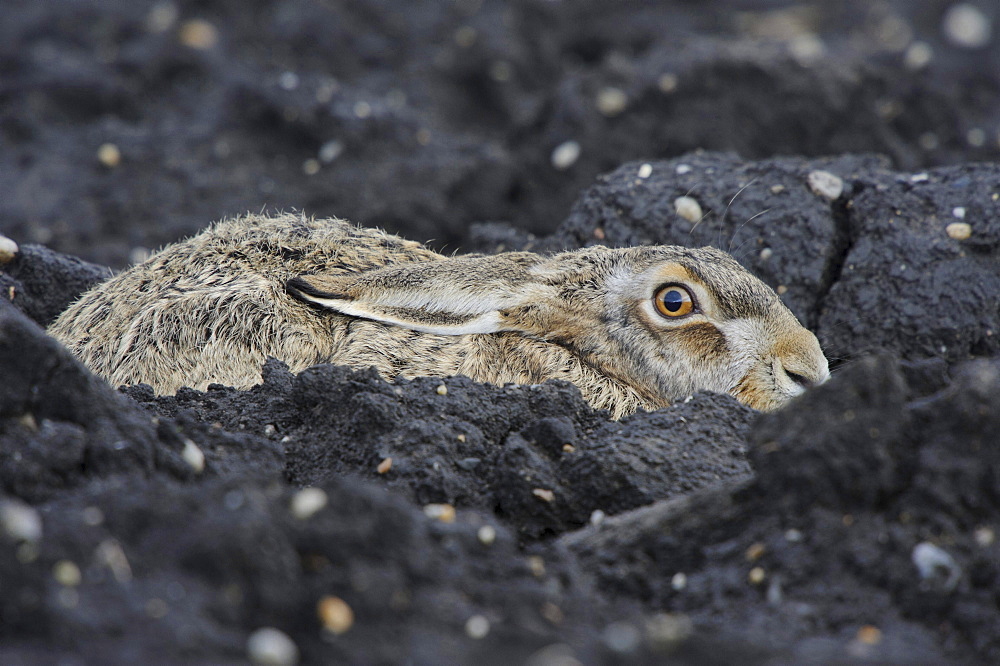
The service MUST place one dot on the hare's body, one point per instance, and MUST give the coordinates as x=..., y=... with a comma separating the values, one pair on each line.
x=211, y=309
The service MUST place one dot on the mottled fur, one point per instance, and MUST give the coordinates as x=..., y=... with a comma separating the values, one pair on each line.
x=214, y=307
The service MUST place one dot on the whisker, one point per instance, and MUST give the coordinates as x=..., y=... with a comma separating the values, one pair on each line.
x=750, y=219
x=700, y=219
x=738, y=193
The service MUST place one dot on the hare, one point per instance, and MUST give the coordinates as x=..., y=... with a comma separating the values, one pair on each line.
x=633, y=328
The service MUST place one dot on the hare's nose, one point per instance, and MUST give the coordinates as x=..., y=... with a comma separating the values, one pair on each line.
x=802, y=380
x=800, y=359
x=805, y=375
x=807, y=381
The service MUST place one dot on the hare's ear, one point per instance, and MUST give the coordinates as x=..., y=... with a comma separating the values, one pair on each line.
x=455, y=296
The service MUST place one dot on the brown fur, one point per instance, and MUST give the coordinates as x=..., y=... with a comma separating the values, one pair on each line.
x=214, y=307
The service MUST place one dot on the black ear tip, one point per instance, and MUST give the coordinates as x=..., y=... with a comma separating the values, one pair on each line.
x=302, y=289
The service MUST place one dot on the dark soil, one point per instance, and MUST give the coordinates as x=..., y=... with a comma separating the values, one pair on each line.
x=480, y=524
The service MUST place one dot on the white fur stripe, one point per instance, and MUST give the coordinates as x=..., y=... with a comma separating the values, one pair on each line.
x=488, y=322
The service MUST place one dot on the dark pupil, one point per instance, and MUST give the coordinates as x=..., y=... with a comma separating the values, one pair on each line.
x=673, y=300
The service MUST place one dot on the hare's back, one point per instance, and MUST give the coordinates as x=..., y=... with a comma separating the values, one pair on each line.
x=285, y=245
x=218, y=300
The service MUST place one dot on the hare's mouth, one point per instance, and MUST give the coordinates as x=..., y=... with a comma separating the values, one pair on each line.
x=752, y=392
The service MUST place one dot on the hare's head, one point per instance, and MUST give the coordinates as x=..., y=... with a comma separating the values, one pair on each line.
x=665, y=321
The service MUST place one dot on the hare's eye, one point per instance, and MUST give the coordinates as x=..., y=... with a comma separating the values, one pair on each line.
x=673, y=301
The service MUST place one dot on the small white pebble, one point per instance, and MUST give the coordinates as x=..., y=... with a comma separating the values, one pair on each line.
x=928, y=141
x=465, y=36
x=20, y=521
x=806, y=48
x=645, y=171
x=198, y=34
x=111, y=554
x=109, y=155
x=934, y=562
x=8, y=250
x=565, y=155
x=67, y=573
x=362, y=109
x=330, y=151
x=666, y=629
x=335, y=614
x=92, y=516
x=766, y=254
x=918, y=55
x=984, y=536
x=683, y=169
x=976, y=137
x=621, y=637
x=288, y=80
x=958, y=212
x=920, y=178
x=443, y=512
x=326, y=91
x=501, y=71
x=679, y=581
x=774, y=594
x=825, y=184
x=161, y=17
x=966, y=26
x=486, y=534
x=307, y=502
x=442, y=390
x=544, y=494
x=793, y=536
x=889, y=109
x=611, y=101
x=688, y=208
x=193, y=456
x=268, y=646
x=597, y=517
x=959, y=230
x=667, y=83
x=477, y=627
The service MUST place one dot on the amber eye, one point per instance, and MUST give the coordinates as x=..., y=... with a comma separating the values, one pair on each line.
x=673, y=301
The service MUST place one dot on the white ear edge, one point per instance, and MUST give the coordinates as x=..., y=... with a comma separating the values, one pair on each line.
x=487, y=322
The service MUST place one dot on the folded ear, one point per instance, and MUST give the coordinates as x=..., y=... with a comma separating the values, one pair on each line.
x=453, y=296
